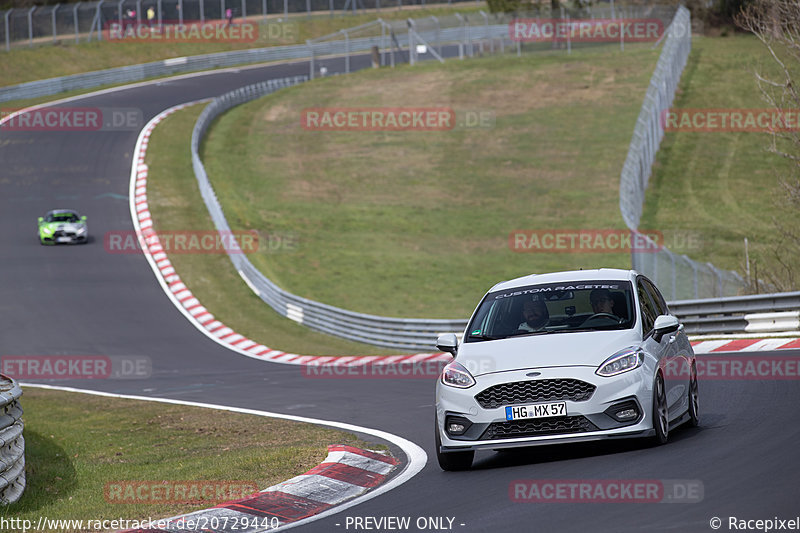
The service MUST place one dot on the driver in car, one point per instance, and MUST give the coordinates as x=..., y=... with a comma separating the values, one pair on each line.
x=601, y=301
x=535, y=314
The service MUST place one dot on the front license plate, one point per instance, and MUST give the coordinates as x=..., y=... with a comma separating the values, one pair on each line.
x=64, y=239
x=539, y=410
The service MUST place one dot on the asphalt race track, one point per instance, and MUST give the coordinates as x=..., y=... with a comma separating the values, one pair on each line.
x=81, y=300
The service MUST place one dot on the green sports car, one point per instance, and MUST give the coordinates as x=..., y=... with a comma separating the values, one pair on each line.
x=62, y=226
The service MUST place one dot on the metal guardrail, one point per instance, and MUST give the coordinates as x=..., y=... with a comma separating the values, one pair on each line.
x=675, y=274
x=727, y=315
x=12, y=443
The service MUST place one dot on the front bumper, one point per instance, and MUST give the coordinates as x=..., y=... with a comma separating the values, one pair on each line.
x=586, y=420
x=60, y=237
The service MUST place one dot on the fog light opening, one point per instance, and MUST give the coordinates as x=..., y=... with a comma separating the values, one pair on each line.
x=626, y=414
x=456, y=425
x=454, y=428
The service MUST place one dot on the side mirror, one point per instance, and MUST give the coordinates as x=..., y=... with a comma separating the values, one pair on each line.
x=83, y=218
x=665, y=324
x=447, y=342
x=41, y=219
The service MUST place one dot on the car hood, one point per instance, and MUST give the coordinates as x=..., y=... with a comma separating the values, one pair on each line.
x=555, y=349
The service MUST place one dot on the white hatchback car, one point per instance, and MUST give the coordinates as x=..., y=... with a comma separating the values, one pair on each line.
x=564, y=357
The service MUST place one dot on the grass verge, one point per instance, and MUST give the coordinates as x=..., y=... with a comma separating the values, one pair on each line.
x=176, y=204
x=720, y=187
x=77, y=444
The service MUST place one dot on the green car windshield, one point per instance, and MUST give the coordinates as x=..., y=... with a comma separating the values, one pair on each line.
x=62, y=217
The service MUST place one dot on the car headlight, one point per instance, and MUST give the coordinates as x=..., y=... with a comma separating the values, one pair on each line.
x=622, y=361
x=455, y=375
x=81, y=230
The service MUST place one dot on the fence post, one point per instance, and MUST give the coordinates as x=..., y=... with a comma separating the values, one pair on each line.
x=286, y=9
x=222, y=9
x=160, y=17
x=308, y=8
x=311, y=61
x=412, y=50
x=138, y=11
x=486, y=30
x=98, y=16
x=264, y=10
x=119, y=13
x=346, y=51
x=30, y=25
x=244, y=10
x=55, y=31
x=8, y=37
x=75, y=21
x=438, y=33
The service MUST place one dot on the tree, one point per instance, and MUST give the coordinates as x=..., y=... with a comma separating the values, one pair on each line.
x=776, y=23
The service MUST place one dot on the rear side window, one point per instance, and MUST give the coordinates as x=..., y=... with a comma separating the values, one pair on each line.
x=648, y=309
x=658, y=300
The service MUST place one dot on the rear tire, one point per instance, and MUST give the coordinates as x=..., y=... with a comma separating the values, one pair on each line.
x=660, y=411
x=452, y=461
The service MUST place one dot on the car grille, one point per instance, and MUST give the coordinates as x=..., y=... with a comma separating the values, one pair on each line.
x=62, y=233
x=540, y=390
x=556, y=425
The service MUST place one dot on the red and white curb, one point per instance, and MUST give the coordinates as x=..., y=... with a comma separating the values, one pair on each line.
x=190, y=306
x=744, y=345
x=346, y=473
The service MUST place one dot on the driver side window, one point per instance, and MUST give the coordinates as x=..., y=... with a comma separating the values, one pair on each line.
x=648, y=311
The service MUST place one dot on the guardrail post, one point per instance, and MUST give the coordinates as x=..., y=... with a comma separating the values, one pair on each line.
x=8, y=37
x=75, y=21
x=55, y=31
x=30, y=25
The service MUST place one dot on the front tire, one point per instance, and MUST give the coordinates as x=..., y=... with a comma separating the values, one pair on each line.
x=452, y=461
x=660, y=411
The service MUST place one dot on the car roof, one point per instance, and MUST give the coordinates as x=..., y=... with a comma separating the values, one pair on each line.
x=606, y=274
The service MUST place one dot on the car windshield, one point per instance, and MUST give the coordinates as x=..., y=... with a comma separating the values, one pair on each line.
x=62, y=217
x=553, y=308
